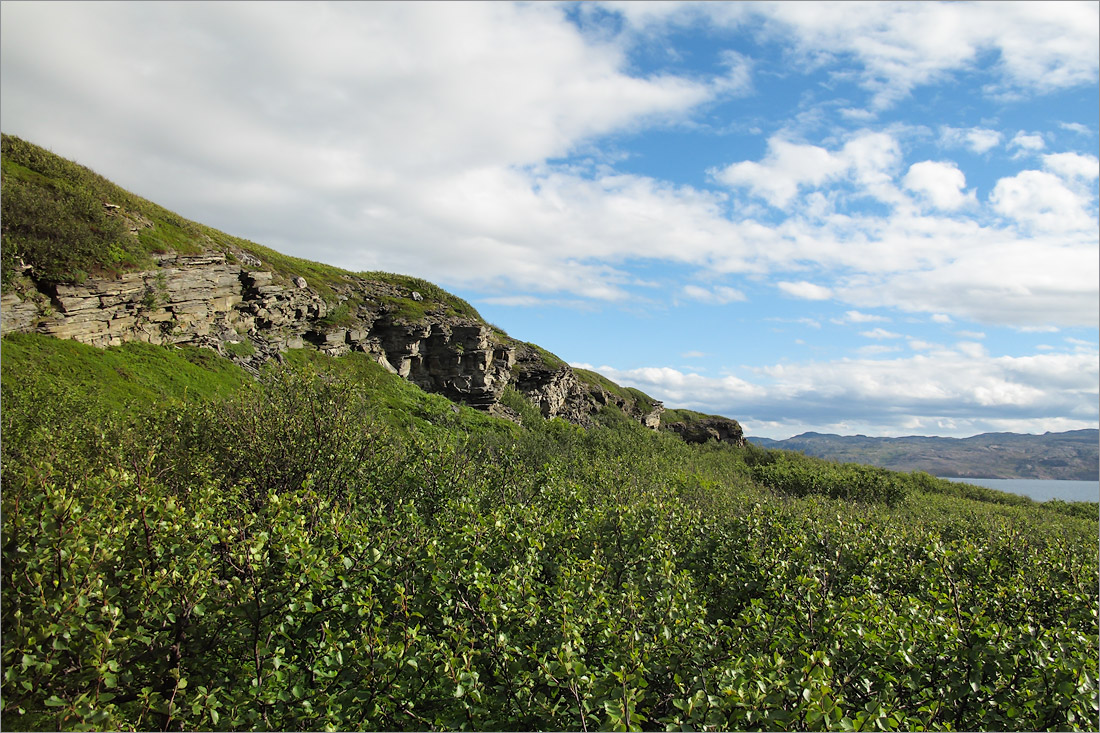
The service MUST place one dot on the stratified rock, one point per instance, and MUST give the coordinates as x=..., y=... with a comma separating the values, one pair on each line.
x=210, y=300
x=700, y=428
x=555, y=388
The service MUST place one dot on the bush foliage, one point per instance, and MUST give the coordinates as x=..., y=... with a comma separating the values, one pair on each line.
x=329, y=548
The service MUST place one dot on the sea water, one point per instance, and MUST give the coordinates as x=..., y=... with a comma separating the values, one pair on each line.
x=1041, y=489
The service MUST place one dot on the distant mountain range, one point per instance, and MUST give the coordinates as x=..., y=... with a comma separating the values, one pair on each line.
x=1073, y=455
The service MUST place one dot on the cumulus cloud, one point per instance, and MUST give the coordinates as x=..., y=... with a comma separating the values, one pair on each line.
x=1030, y=142
x=867, y=159
x=1075, y=127
x=880, y=333
x=805, y=290
x=787, y=167
x=942, y=184
x=876, y=349
x=901, y=46
x=737, y=81
x=963, y=387
x=977, y=139
x=1041, y=201
x=857, y=317
x=719, y=295
x=1073, y=165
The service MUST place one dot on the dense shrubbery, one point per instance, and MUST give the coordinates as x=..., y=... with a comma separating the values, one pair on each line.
x=316, y=551
x=796, y=475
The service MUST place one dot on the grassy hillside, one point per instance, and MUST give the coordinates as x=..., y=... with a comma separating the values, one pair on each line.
x=331, y=548
x=62, y=223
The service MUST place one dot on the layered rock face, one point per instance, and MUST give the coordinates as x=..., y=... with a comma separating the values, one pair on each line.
x=709, y=427
x=251, y=315
x=457, y=359
x=187, y=299
x=210, y=301
x=557, y=391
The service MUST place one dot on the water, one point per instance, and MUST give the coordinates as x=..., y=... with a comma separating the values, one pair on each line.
x=1040, y=489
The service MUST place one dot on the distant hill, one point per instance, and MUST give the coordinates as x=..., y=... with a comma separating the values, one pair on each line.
x=1072, y=455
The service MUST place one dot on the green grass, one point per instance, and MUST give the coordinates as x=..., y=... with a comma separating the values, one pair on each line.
x=672, y=415
x=548, y=359
x=396, y=402
x=116, y=378
x=331, y=534
x=55, y=221
x=635, y=397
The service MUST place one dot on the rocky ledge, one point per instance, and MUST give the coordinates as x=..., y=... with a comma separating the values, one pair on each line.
x=700, y=428
x=251, y=314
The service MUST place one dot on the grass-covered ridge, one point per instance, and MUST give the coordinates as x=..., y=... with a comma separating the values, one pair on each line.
x=330, y=547
x=66, y=223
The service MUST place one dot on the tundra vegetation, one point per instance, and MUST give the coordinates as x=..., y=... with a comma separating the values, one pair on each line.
x=186, y=547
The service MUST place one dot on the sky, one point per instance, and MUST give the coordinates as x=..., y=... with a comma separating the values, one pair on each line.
x=854, y=218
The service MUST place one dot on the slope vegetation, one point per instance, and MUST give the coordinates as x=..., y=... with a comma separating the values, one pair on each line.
x=331, y=547
x=302, y=526
x=86, y=260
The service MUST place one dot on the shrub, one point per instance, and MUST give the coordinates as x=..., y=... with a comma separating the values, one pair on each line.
x=802, y=476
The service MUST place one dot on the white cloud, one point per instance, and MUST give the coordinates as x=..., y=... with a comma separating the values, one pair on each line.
x=901, y=46
x=994, y=277
x=940, y=183
x=975, y=392
x=857, y=317
x=971, y=348
x=880, y=333
x=972, y=335
x=1025, y=141
x=787, y=167
x=941, y=318
x=1075, y=127
x=867, y=158
x=876, y=349
x=719, y=295
x=1041, y=201
x=693, y=355
x=1073, y=165
x=737, y=81
x=805, y=290
x=977, y=139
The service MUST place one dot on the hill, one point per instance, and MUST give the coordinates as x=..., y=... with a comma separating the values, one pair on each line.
x=410, y=520
x=86, y=260
x=1073, y=455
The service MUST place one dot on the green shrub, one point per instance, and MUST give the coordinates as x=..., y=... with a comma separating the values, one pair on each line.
x=802, y=476
x=326, y=549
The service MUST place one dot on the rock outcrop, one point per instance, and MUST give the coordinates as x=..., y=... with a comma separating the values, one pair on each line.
x=214, y=291
x=221, y=302
x=559, y=391
x=250, y=313
x=699, y=428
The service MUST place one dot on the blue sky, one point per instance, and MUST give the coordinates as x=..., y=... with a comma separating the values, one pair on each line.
x=869, y=218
